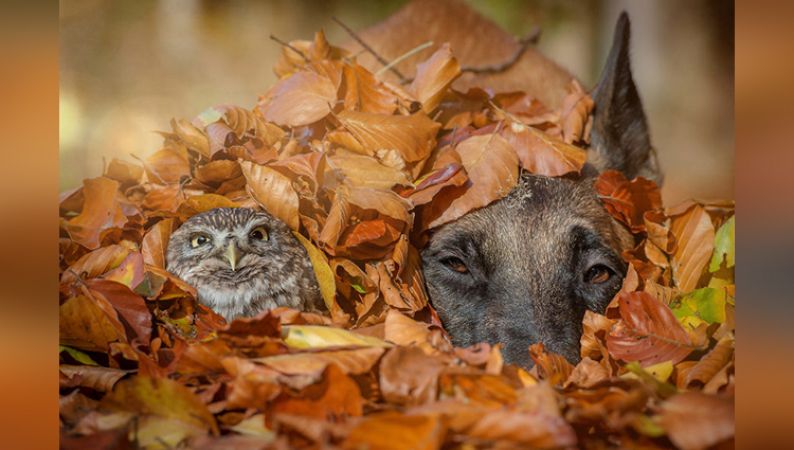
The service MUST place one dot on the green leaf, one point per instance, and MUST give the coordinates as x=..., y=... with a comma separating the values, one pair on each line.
x=706, y=304
x=209, y=116
x=649, y=426
x=358, y=288
x=77, y=355
x=724, y=246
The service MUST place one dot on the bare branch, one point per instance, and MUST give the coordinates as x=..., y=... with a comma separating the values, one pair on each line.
x=530, y=39
x=402, y=57
x=370, y=49
x=286, y=44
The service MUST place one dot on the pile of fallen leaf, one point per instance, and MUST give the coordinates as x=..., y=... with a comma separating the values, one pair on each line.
x=361, y=169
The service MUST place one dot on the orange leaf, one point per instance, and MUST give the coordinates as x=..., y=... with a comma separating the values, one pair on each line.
x=694, y=420
x=364, y=93
x=161, y=397
x=335, y=396
x=412, y=136
x=392, y=430
x=273, y=191
x=575, y=113
x=167, y=165
x=95, y=263
x=155, y=243
x=89, y=324
x=492, y=166
x=101, y=212
x=551, y=366
x=694, y=233
x=433, y=77
x=542, y=154
x=300, y=99
x=628, y=201
x=711, y=363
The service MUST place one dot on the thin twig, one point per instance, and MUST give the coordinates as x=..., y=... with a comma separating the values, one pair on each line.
x=149, y=167
x=287, y=44
x=404, y=56
x=530, y=39
x=369, y=49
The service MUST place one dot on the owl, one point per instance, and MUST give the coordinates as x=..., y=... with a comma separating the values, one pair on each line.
x=242, y=261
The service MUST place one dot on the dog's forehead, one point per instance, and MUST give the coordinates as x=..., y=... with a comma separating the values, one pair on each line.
x=540, y=213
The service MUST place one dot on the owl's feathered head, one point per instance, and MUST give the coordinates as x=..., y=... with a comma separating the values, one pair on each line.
x=227, y=244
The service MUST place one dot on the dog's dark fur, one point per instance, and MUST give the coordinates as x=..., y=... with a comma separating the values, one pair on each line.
x=521, y=270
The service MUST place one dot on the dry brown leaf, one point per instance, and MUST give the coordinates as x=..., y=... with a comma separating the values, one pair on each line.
x=335, y=397
x=192, y=137
x=273, y=191
x=391, y=430
x=101, y=212
x=587, y=374
x=694, y=421
x=300, y=99
x=124, y=172
x=89, y=324
x=155, y=243
x=694, y=233
x=168, y=165
x=433, y=78
x=216, y=172
x=160, y=397
x=100, y=379
x=412, y=136
x=593, y=341
x=542, y=154
x=575, y=114
x=552, y=367
x=95, y=263
x=628, y=201
x=365, y=171
x=711, y=363
x=356, y=361
x=648, y=332
x=478, y=389
x=492, y=166
x=364, y=93
x=524, y=428
x=402, y=330
x=409, y=377
x=252, y=386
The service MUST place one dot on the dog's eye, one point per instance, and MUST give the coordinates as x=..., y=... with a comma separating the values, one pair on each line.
x=455, y=264
x=198, y=240
x=598, y=274
x=259, y=234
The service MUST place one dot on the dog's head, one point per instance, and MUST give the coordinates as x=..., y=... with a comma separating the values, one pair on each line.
x=524, y=269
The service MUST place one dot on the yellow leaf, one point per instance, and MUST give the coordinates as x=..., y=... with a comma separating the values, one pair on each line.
x=322, y=271
x=661, y=371
x=314, y=336
x=254, y=426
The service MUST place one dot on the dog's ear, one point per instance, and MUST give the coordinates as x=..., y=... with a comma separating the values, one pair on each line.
x=620, y=137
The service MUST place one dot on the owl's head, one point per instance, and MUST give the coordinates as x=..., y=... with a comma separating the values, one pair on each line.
x=227, y=245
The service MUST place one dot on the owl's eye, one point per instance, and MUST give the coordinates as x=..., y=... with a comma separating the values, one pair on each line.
x=198, y=239
x=259, y=234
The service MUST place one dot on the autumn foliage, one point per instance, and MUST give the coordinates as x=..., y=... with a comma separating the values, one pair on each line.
x=361, y=169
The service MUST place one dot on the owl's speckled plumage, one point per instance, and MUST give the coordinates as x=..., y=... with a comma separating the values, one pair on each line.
x=236, y=270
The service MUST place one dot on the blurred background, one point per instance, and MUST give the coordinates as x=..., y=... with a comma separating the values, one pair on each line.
x=128, y=67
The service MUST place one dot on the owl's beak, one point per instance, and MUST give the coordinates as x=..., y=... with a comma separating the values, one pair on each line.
x=233, y=255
